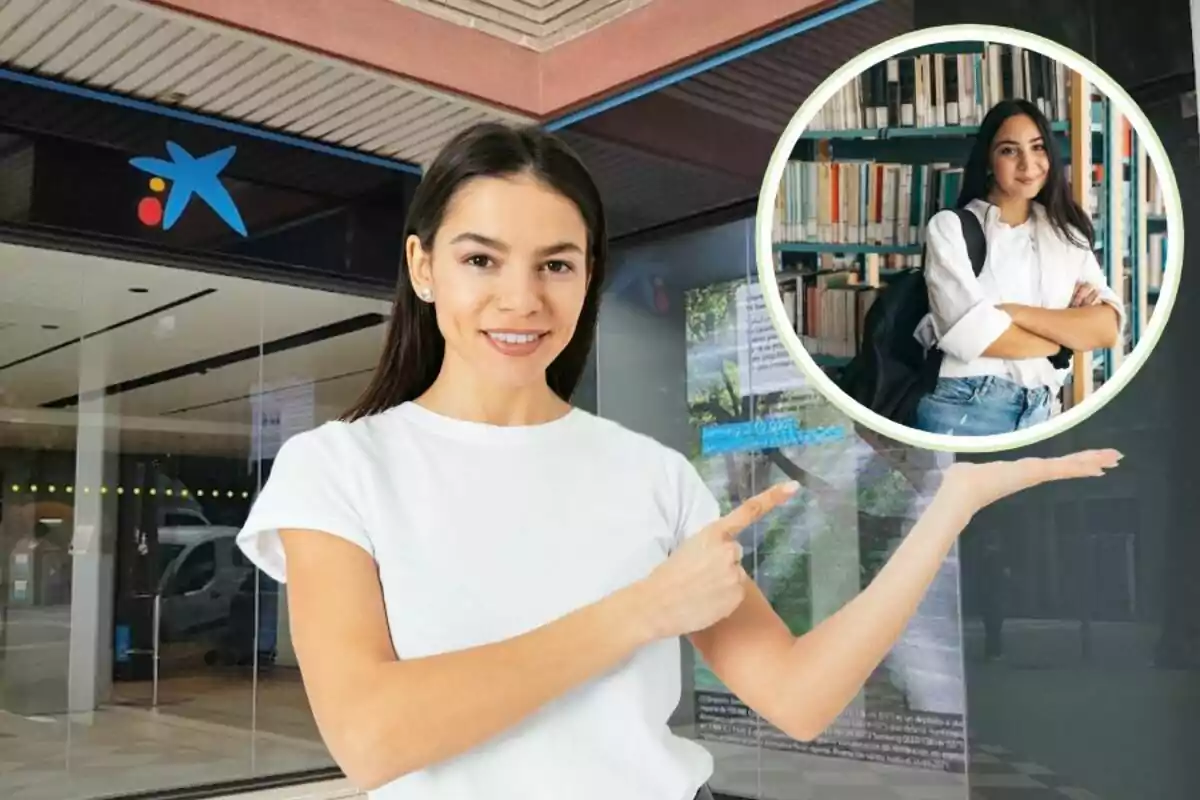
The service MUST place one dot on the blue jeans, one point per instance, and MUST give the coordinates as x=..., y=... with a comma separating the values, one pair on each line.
x=981, y=406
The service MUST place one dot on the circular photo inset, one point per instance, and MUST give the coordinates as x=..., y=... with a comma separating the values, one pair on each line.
x=969, y=238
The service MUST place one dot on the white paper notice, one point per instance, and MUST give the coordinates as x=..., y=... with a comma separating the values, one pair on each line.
x=764, y=365
x=279, y=414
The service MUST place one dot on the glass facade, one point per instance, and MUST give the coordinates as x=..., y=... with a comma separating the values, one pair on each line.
x=140, y=408
x=157, y=345
x=686, y=354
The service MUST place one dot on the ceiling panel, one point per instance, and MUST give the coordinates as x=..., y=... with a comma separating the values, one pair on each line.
x=642, y=190
x=148, y=52
x=766, y=88
x=536, y=24
x=337, y=369
x=213, y=407
x=761, y=92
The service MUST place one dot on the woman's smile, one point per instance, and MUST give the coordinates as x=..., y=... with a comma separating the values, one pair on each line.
x=512, y=342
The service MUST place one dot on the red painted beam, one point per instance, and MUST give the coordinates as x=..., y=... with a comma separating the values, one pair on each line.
x=384, y=35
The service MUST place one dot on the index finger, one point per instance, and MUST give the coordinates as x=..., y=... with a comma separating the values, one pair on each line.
x=756, y=508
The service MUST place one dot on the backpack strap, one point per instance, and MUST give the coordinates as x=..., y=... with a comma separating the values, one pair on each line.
x=976, y=241
x=977, y=250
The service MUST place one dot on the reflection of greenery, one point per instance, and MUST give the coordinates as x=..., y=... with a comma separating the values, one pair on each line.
x=714, y=394
x=707, y=309
x=860, y=486
x=786, y=571
x=887, y=497
x=714, y=397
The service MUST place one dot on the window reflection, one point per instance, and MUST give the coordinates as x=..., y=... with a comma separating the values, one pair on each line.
x=140, y=407
x=686, y=354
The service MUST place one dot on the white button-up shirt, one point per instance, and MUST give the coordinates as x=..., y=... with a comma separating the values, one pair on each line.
x=1029, y=264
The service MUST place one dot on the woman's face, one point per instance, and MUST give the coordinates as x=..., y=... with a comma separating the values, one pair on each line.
x=1020, y=162
x=508, y=274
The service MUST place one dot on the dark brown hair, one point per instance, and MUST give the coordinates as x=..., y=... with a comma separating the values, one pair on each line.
x=1065, y=215
x=414, y=347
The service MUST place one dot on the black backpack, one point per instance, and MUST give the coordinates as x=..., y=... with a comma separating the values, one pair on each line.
x=892, y=370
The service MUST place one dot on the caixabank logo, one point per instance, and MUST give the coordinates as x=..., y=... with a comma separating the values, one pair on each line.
x=181, y=178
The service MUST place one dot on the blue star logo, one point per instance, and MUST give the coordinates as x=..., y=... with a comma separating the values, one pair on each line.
x=190, y=176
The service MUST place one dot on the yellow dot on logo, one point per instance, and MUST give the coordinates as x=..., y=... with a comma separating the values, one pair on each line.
x=157, y=184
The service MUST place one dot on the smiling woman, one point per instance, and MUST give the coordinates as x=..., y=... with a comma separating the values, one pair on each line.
x=1007, y=333
x=507, y=303
x=506, y=250
x=487, y=586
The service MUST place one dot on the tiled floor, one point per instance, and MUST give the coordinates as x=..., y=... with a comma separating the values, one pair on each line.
x=323, y=790
x=277, y=703
x=206, y=730
x=744, y=772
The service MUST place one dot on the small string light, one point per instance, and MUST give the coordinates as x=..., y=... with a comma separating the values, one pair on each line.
x=215, y=494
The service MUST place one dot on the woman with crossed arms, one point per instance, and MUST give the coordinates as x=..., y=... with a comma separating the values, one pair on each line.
x=1040, y=295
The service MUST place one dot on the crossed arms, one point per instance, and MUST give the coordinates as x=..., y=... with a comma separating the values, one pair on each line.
x=1089, y=324
x=970, y=325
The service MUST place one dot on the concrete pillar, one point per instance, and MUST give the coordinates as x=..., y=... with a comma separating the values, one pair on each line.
x=93, y=562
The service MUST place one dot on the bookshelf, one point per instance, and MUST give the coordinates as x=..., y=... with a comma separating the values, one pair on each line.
x=1083, y=173
x=1132, y=237
x=887, y=152
x=1147, y=240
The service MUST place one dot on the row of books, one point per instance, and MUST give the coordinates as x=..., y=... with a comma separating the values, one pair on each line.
x=946, y=89
x=862, y=202
x=828, y=313
x=1156, y=259
x=1155, y=203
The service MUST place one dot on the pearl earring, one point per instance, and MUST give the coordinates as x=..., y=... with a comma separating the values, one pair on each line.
x=426, y=294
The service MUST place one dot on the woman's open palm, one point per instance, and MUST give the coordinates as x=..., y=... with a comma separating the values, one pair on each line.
x=984, y=484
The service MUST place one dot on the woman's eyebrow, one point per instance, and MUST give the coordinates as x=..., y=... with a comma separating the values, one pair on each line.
x=479, y=238
x=496, y=244
x=561, y=247
x=1034, y=140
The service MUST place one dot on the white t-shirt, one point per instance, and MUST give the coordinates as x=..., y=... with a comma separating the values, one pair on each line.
x=1028, y=264
x=483, y=532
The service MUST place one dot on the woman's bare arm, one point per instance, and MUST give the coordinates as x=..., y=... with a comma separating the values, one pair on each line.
x=1084, y=328
x=382, y=717
x=1017, y=343
x=801, y=684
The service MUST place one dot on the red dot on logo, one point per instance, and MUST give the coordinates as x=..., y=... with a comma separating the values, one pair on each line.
x=150, y=211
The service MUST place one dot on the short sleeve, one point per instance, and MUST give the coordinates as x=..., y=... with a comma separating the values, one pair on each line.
x=696, y=507
x=966, y=322
x=310, y=488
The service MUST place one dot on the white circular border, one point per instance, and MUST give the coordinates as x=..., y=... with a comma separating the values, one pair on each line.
x=764, y=244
